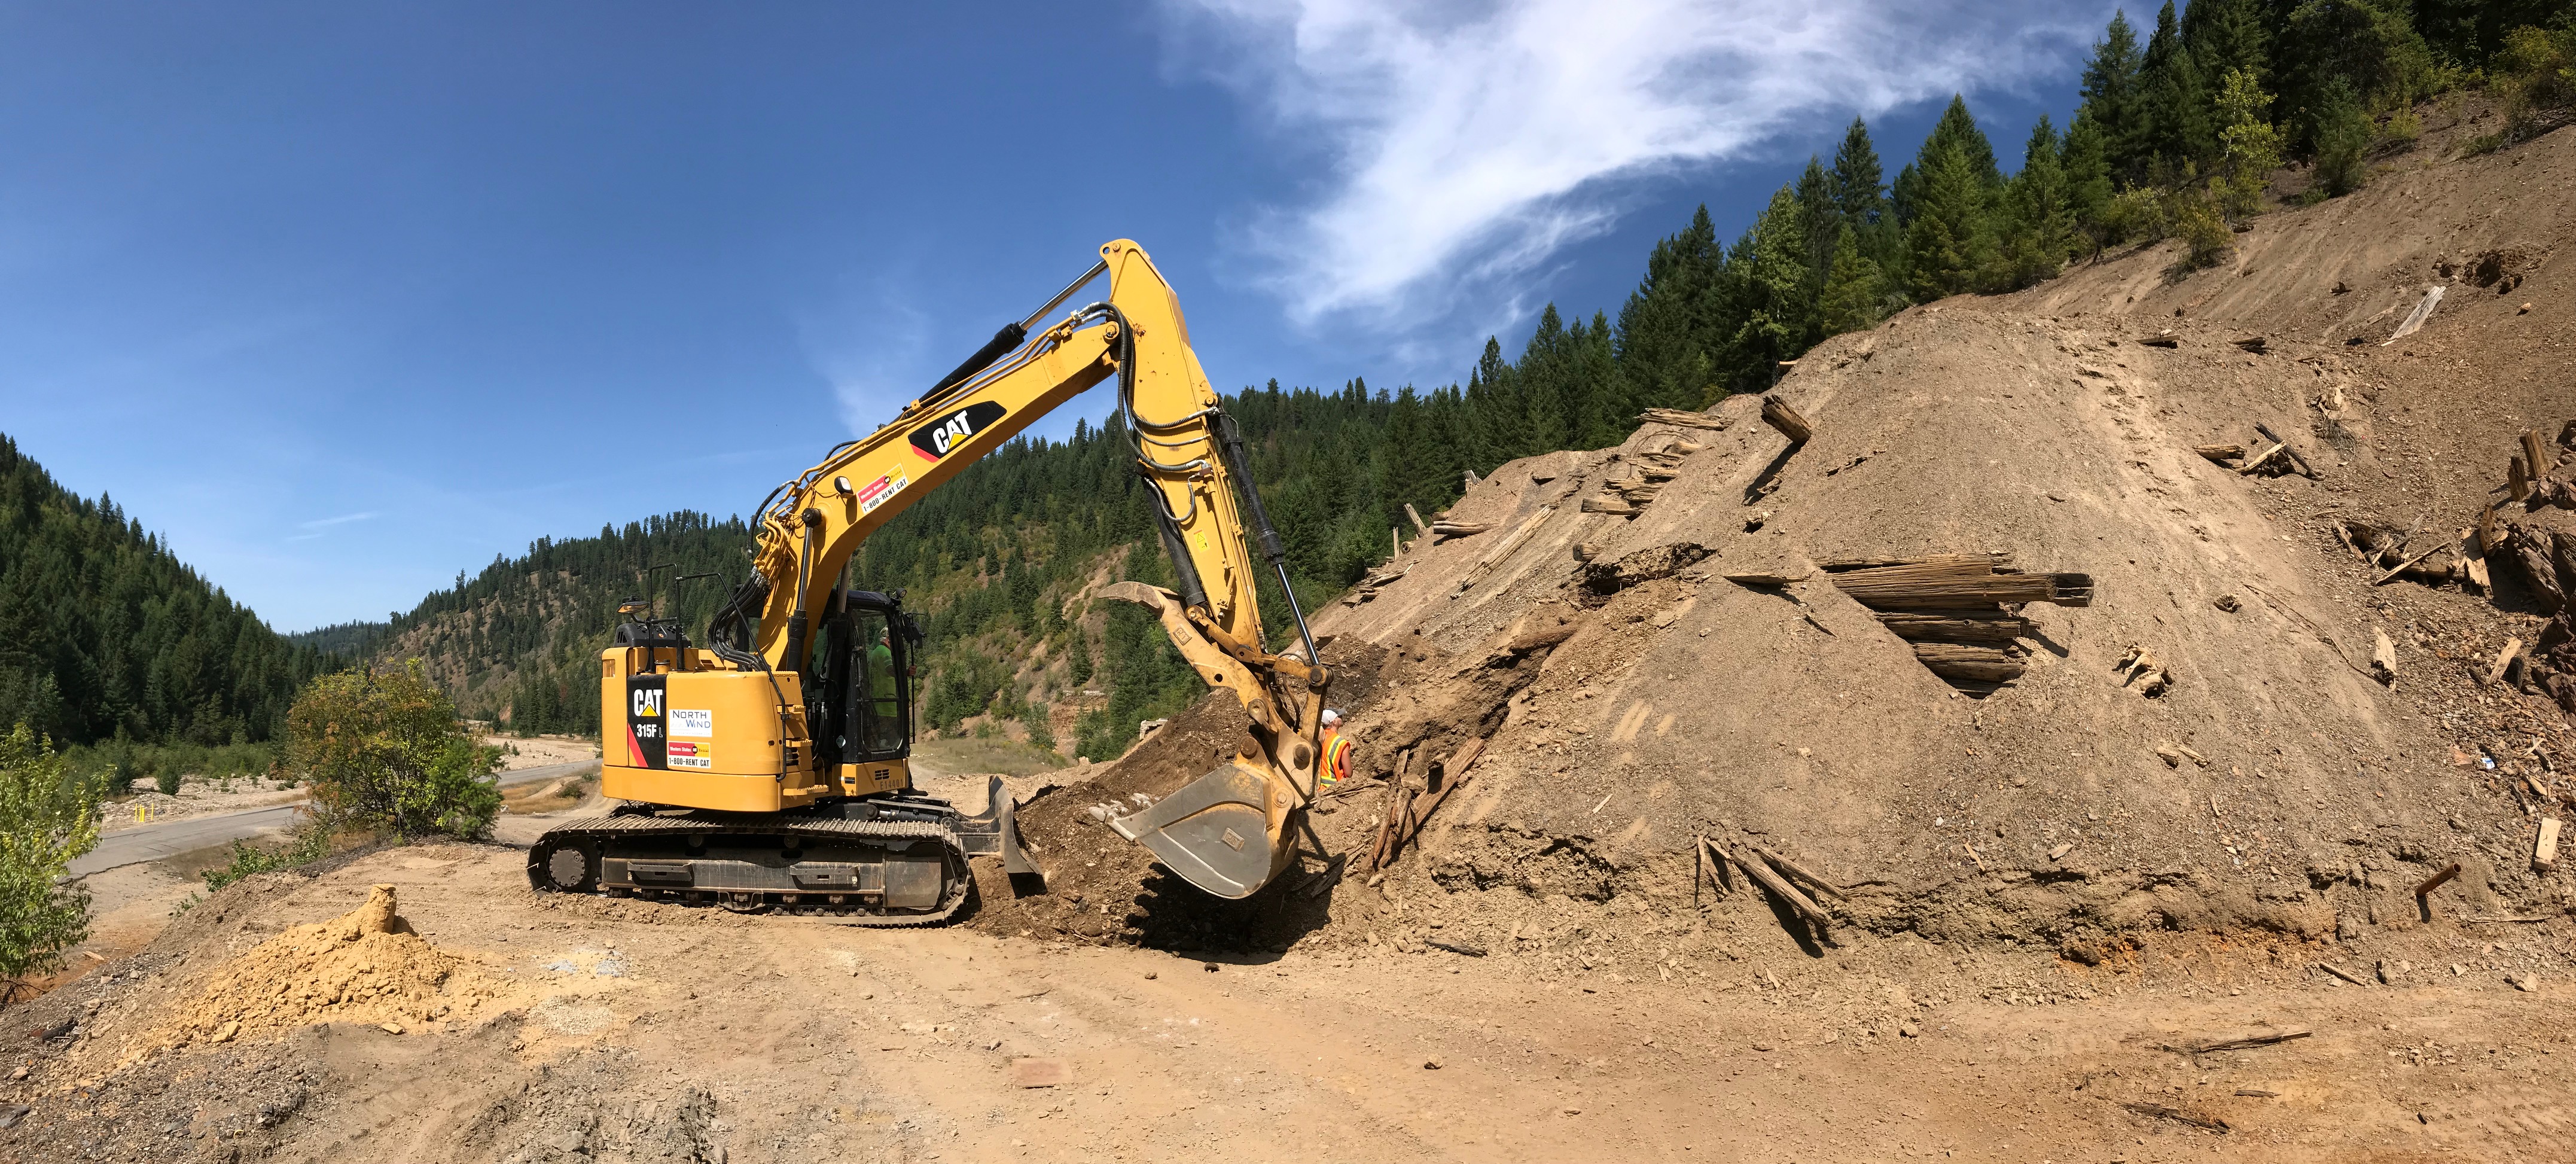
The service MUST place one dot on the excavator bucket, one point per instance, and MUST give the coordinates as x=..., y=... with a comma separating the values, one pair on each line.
x=1214, y=832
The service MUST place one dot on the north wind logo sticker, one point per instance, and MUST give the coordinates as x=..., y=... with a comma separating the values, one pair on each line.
x=934, y=440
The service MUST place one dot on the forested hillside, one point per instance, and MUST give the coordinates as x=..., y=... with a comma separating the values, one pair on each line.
x=104, y=634
x=2181, y=131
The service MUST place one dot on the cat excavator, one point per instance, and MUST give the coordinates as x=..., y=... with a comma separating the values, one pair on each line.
x=768, y=769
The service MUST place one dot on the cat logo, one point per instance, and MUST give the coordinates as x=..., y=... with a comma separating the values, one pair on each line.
x=935, y=439
x=648, y=702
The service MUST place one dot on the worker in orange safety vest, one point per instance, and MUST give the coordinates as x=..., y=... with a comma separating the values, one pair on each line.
x=1337, y=752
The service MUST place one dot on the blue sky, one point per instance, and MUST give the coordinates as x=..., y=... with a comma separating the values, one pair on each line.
x=344, y=299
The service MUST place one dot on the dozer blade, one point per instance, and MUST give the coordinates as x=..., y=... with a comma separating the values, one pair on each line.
x=1214, y=832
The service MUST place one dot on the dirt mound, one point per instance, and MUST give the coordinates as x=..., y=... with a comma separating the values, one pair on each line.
x=1651, y=643
x=366, y=966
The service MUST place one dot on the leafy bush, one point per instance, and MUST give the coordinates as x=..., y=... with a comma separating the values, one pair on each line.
x=308, y=846
x=383, y=751
x=2136, y=214
x=2536, y=72
x=48, y=817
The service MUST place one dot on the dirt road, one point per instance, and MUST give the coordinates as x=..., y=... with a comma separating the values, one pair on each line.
x=153, y=842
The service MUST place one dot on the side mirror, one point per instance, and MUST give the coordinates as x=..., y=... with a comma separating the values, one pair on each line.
x=915, y=631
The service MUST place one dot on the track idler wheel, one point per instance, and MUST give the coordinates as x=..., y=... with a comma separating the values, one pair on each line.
x=563, y=866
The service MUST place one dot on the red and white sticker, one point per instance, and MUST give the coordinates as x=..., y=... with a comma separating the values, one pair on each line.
x=879, y=490
x=688, y=754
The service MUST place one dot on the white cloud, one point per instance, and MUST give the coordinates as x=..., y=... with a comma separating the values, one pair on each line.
x=1467, y=144
x=869, y=342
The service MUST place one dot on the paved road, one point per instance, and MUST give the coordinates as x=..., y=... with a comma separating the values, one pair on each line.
x=152, y=842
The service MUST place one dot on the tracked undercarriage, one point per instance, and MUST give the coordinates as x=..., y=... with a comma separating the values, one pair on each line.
x=892, y=860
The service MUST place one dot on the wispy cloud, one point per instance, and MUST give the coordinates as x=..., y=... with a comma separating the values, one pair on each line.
x=870, y=343
x=1469, y=143
x=343, y=519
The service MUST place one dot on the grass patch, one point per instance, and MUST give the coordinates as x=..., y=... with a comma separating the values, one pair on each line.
x=986, y=754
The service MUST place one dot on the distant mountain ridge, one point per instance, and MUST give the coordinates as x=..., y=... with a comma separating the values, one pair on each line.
x=105, y=633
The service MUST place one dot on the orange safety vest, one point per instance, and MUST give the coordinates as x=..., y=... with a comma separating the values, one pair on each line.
x=1337, y=759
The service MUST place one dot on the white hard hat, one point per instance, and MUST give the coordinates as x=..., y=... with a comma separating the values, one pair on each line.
x=1331, y=717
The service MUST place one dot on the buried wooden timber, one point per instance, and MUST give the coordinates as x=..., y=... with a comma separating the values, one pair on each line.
x=1777, y=413
x=1956, y=626
x=1967, y=581
x=1676, y=416
x=1968, y=661
x=1756, y=868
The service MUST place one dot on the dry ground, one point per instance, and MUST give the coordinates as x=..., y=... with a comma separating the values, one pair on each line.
x=631, y=1031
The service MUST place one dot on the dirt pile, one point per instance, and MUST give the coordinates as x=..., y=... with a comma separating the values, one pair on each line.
x=366, y=966
x=2242, y=729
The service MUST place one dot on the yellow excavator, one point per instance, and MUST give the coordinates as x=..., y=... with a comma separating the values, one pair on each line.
x=768, y=769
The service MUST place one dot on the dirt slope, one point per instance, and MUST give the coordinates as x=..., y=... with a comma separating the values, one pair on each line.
x=2038, y=426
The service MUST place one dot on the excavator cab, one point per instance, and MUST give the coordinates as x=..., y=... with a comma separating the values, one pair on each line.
x=861, y=699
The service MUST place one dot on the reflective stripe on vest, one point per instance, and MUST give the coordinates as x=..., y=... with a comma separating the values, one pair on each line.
x=1337, y=759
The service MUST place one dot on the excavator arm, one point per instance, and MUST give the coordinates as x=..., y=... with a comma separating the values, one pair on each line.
x=1229, y=832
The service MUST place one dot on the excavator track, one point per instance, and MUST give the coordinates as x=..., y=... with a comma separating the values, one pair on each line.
x=889, y=873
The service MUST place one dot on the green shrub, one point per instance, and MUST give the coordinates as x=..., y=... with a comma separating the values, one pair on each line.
x=2136, y=214
x=308, y=846
x=2206, y=239
x=383, y=751
x=48, y=817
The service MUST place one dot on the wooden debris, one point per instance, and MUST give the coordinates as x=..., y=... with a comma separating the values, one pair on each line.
x=1418, y=523
x=2220, y=454
x=1684, y=419
x=1798, y=871
x=2409, y=563
x=2193, y=756
x=2342, y=973
x=1455, y=947
x=2383, y=658
x=2517, y=480
x=1546, y=636
x=1779, y=887
x=2435, y=881
x=2178, y=1115
x=2474, y=557
x=2255, y=346
x=1609, y=506
x=2544, y=851
x=1458, y=529
x=2415, y=319
x=2287, y=449
x=1502, y=549
x=2160, y=341
x=2246, y=1042
x=2061, y=851
x=2535, y=461
x=1965, y=626
x=2262, y=459
x=1777, y=413
x=2000, y=561
x=1960, y=581
x=2172, y=758
x=1762, y=579
x=1968, y=661
x=2503, y=659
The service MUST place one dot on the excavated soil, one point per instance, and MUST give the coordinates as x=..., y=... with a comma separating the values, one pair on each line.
x=2277, y=786
x=2085, y=916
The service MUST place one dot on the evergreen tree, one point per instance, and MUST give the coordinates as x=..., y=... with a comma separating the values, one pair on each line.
x=2042, y=224
x=2111, y=99
x=1857, y=190
x=1950, y=241
x=2088, y=172
x=1545, y=375
x=2224, y=35
x=1854, y=289
x=2173, y=109
x=1779, y=308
